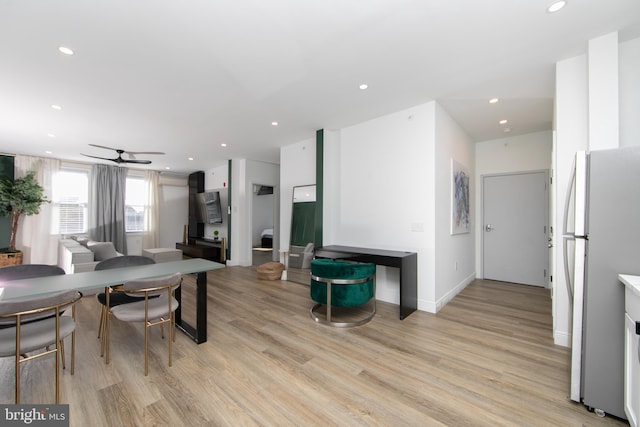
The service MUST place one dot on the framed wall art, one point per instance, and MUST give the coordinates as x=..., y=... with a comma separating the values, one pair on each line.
x=460, y=203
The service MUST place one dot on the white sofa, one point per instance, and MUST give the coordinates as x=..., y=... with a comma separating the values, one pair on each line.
x=81, y=254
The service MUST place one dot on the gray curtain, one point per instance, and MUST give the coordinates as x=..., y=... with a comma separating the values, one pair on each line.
x=107, y=201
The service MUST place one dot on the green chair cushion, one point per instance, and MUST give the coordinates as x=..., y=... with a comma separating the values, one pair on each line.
x=342, y=295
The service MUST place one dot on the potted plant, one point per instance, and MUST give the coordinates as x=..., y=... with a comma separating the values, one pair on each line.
x=22, y=196
x=215, y=234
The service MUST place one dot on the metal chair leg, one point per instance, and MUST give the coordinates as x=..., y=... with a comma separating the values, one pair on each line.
x=171, y=335
x=146, y=348
x=107, y=326
x=101, y=324
x=62, y=354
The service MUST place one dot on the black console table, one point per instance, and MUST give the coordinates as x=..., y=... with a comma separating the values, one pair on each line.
x=407, y=262
x=203, y=248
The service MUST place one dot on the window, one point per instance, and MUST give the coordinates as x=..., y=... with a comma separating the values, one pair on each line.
x=70, y=202
x=135, y=204
x=70, y=197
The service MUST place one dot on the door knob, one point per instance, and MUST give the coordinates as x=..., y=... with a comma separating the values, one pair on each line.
x=488, y=227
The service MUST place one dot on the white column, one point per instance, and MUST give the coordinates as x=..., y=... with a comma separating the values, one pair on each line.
x=571, y=131
x=603, y=92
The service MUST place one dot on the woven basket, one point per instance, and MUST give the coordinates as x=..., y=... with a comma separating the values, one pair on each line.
x=270, y=271
x=10, y=258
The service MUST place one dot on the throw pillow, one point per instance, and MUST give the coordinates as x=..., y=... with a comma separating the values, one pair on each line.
x=102, y=250
x=80, y=239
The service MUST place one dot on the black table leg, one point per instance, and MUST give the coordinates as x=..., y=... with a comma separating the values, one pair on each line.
x=199, y=333
x=408, y=285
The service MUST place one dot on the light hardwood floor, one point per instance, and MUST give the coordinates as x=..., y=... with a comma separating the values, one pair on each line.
x=486, y=359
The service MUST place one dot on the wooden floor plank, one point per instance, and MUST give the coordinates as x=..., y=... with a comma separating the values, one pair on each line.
x=486, y=359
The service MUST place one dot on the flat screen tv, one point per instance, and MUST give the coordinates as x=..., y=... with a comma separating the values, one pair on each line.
x=209, y=207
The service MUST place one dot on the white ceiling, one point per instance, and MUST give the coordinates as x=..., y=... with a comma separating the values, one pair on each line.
x=185, y=76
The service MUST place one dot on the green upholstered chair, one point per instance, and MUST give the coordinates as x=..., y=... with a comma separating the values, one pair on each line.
x=339, y=283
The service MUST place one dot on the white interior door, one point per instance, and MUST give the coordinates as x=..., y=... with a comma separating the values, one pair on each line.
x=515, y=227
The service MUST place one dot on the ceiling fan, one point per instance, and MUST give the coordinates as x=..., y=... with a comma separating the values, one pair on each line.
x=119, y=159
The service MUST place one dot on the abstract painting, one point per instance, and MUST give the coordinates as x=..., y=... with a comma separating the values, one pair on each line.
x=460, y=219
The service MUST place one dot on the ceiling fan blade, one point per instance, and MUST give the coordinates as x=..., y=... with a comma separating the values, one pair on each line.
x=119, y=159
x=96, y=157
x=143, y=152
x=141, y=162
x=102, y=146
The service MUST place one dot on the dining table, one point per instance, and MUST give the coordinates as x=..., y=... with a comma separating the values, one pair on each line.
x=92, y=280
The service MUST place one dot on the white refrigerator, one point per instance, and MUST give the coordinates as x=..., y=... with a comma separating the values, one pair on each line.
x=601, y=240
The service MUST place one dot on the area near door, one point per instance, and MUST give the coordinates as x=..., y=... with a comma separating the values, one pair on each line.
x=515, y=228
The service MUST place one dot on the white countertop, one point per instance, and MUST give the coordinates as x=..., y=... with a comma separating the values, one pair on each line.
x=631, y=282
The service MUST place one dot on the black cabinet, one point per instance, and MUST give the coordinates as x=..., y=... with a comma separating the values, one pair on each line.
x=196, y=185
x=6, y=172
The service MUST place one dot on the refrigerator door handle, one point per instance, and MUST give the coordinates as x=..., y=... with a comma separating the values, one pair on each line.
x=567, y=201
x=580, y=195
x=567, y=276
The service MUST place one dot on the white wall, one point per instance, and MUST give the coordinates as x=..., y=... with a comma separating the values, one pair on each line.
x=387, y=186
x=571, y=119
x=454, y=254
x=245, y=174
x=331, y=179
x=530, y=152
x=384, y=191
x=603, y=89
x=297, y=167
x=174, y=212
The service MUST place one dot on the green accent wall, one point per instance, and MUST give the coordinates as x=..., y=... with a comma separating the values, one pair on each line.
x=319, y=188
x=6, y=172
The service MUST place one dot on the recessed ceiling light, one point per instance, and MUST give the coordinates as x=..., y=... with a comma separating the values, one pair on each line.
x=167, y=167
x=56, y=107
x=364, y=86
x=65, y=50
x=51, y=135
x=274, y=123
x=49, y=152
x=556, y=6
x=190, y=158
x=223, y=145
x=493, y=100
x=503, y=122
